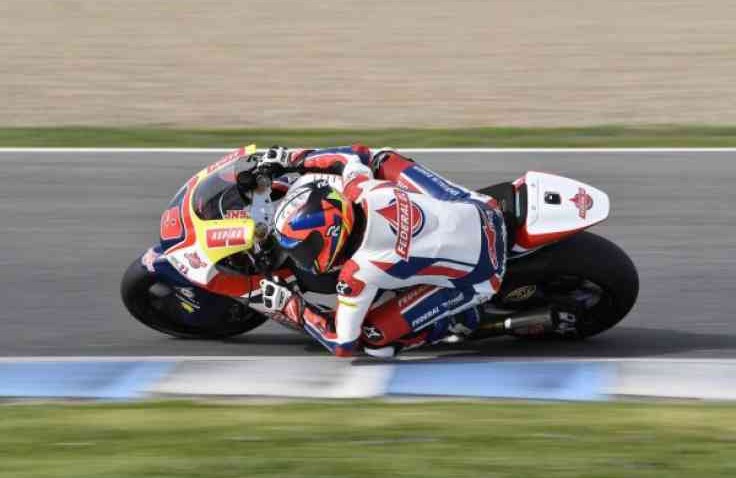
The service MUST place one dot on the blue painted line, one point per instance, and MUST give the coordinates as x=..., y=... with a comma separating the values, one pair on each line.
x=530, y=380
x=83, y=379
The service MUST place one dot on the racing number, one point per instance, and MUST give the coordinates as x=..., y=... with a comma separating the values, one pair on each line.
x=171, y=227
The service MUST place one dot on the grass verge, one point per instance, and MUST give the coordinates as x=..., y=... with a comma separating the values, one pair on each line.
x=360, y=438
x=598, y=136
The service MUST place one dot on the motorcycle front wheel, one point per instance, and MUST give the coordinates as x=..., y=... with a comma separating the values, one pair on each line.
x=225, y=317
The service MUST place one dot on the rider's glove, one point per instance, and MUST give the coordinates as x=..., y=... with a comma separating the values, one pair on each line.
x=382, y=155
x=277, y=155
x=287, y=306
x=382, y=152
x=274, y=162
x=275, y=294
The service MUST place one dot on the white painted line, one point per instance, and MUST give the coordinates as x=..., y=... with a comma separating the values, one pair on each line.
x=292, y=378
x=696, y=380
x=568, y=150
x=658, y=360
x=205, y=358
x=160, y=358
x=118, y=150
x=406, y=150
x=364, y=360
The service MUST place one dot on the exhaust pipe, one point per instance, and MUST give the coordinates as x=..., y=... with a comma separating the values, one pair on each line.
x=528, y=322
x=537, y=322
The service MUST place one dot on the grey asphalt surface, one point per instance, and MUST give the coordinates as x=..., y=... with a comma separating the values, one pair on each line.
x=72, y=222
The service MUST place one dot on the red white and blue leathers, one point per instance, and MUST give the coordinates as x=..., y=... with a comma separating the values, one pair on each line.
x=442, y=245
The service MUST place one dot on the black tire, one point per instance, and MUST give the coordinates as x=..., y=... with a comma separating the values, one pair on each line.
x=231, y=320
x=587, y=257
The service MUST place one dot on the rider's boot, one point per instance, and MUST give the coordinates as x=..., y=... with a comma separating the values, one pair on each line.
x=461, y=326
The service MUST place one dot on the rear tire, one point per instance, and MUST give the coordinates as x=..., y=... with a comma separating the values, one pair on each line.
x=588, y=258
x=134, y=289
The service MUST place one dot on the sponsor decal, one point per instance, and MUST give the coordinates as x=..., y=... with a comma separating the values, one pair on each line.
x=227, y=159
x=187, y=307
x=334, y=230
x=566, y=324
x=521, y=294
x=404, y=183
x=226, y=237
x=406, y=220
x=439, y=182
x=148, y=259
x=343, y=288
x=236, y=214
x=425, y=317
x=372, y=333
x=437, y=311
x=183, y=270
x=187, y=299
x=534, y=330
x=348, y=284
x=583, y=202
x=187, y=292
x=457, y=300
x=194, y=260
x=412, y=294
x=171, y=226
x=490, y=232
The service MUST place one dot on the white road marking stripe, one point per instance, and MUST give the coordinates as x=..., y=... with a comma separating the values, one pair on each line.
x=406, y=150
x=159, y=358
x=117, y=150
x=407, y=357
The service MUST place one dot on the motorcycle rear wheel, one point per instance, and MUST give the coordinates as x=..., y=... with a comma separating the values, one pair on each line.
x=135, y=290
x=586, y=265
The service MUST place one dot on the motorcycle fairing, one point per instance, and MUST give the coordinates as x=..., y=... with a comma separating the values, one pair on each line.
x=193, y=246
x=179, y=297
x=556, y=208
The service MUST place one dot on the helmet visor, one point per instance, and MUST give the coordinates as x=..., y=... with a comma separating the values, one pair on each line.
x=304, y=253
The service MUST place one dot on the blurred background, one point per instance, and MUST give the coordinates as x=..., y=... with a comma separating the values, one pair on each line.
x=350, y=63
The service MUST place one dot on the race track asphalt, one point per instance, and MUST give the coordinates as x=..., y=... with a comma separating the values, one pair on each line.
x=72, y=222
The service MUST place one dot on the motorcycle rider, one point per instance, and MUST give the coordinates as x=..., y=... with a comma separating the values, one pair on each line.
x=442, y=245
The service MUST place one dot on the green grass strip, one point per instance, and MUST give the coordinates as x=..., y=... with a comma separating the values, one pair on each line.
x=373, y=439
x=598, y=136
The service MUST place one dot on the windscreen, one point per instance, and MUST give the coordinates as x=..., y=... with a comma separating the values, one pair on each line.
x=217, y=197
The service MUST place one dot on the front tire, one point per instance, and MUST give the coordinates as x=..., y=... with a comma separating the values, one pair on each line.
x=232, y=318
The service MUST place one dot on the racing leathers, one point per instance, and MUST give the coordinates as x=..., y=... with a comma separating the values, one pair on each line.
x=441, y=246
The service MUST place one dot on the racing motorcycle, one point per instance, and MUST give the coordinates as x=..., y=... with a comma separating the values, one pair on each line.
x=201, y=280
